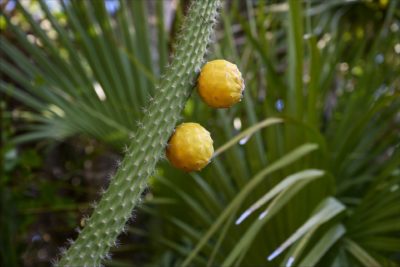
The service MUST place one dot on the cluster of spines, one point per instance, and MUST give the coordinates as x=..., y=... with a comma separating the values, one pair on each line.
x=115, y=208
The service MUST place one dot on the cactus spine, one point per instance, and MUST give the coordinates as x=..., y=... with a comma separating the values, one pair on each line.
x=115, y=207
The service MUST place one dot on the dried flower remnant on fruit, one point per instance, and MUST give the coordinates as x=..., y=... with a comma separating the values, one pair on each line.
x=220, y=84
x=190, y=147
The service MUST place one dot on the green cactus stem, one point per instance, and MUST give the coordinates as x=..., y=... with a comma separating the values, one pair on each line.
x=147, y=146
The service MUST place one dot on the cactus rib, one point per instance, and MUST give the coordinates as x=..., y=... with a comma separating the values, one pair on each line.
x=115, y=207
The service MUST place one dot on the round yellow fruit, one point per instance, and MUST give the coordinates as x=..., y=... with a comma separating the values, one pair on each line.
x=190, y=147
x=220, y=84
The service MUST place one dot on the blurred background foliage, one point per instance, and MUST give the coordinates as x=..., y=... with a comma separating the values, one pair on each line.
x=76, y=75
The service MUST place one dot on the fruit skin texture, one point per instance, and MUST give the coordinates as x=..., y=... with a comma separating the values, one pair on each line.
x=190, y=147
x=220, y=84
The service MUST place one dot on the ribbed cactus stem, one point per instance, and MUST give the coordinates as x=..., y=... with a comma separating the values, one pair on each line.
x=147, y=146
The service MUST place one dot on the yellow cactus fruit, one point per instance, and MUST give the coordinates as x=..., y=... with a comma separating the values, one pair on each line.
x=190, y=147
x=220, y=84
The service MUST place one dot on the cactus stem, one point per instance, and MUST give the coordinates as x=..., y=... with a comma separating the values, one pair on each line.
x=149, y=141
